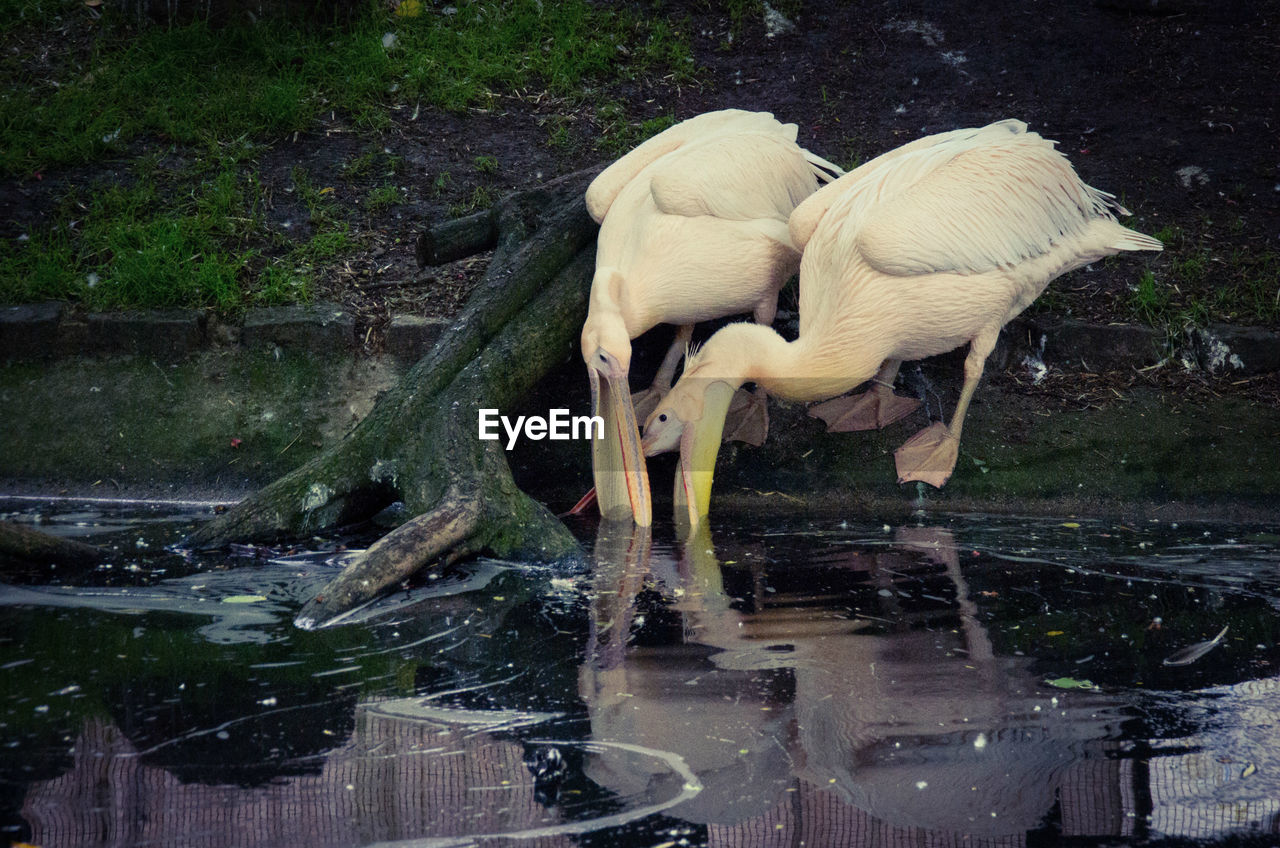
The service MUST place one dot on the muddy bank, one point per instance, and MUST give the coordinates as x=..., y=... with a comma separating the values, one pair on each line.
x=215, y=425
x=221, y=423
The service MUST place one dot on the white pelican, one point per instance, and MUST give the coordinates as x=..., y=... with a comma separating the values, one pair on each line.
x=693, y=226
x=913, y=254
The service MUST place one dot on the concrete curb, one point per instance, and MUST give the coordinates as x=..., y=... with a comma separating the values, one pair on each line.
x=43, y=331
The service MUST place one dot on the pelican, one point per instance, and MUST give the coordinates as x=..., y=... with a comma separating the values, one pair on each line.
x=693, y=226
x=917, y=252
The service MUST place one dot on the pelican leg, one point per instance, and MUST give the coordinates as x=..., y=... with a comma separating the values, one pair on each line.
x=930, y=455
x=584, y=503
x=645, y=401
x=870, y=410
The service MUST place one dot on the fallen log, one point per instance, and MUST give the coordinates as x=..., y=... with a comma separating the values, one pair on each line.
x=27, y=545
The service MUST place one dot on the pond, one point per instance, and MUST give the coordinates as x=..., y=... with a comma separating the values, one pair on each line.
x=951, y=679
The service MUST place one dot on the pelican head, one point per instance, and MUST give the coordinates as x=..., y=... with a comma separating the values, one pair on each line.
x=606, y=348
x=622, y=483
x=691, y=418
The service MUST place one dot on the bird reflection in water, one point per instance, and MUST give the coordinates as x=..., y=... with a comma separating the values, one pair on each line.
x=858, y=693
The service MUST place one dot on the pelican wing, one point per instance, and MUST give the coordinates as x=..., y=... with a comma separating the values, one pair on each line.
x=987, y=207
x=605, y=187
x=889, y=174
x=739, y=177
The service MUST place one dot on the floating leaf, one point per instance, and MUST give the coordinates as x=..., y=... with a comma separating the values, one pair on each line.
x=1054, y=633
x=243, y=599
x=1070, y=683
x=1071, y=524
x=1249, y=769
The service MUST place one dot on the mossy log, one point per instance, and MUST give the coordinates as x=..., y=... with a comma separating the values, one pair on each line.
x=31, y=546
x=420, y=443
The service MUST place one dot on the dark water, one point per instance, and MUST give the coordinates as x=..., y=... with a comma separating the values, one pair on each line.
x=825, y=682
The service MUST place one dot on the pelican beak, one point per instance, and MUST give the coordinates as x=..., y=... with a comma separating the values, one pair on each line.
x=699, y=445
x=622, y=484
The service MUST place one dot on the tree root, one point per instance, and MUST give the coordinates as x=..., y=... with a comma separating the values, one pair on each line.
x=420, y=443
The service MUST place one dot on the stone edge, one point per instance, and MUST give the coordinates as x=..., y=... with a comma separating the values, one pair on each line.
x=44, y=331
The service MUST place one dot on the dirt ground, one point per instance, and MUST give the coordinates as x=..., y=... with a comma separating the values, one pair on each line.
x=1171, y=106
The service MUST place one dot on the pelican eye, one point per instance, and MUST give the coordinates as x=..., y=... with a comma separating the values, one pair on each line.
x=604, y=358
x=662, y=417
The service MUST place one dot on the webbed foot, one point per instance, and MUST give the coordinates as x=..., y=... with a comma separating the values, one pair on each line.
x=928, y=456
x=864, y=411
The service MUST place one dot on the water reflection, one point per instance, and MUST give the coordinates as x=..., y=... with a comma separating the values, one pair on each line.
x=403, y=778
x=808, y=722
x=766, y=686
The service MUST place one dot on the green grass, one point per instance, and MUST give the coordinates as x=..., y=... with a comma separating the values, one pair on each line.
x=1150, y=300
x=1196, y=284
x=190, y=241
x=193, y=108
x=131, y=246
x=195, y=84
x=382, y=198
x=481, y=197
x=617, y=134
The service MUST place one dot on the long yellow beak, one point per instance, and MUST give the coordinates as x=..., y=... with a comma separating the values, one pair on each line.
x=617, y=463
x=699, y=446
